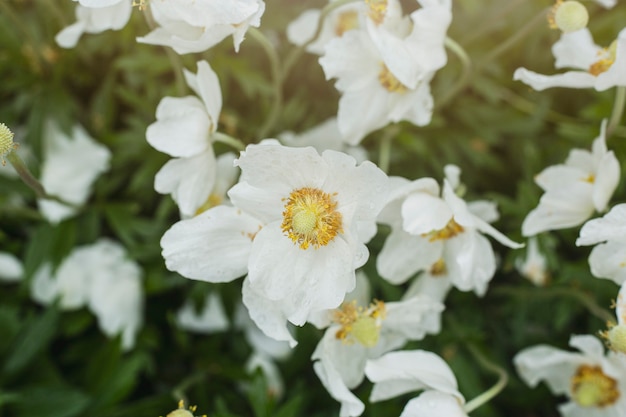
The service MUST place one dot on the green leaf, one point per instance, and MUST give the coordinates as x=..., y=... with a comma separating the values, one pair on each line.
x=51, y=401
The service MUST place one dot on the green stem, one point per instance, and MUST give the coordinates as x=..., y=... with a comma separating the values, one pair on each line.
x=582, y=297
x=296, y=53
x=277, y=81
x=228, y=140
x=384, y=156
x=503, y=379
x=466, y=62
x=618, y=110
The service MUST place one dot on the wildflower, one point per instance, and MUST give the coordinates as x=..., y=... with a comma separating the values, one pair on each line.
x=592, y=381
x=608, y=234
x=211, y=319
x=71, y=165
x=95, y=17
x=615, y=336
x=600, y=68
x=533, y=267
x=397, y=373
x=575, y=189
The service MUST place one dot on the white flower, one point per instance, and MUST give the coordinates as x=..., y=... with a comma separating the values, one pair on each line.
x=398, y=373
x=11, y=269
x=197, y=25
x=184, y=130
x=534, y=266
x=575, y=189
x=601, y=68
x=594, y=383
x=607, y=4
x=70, y=166
x=211, y=319
x=95, y=17
x=101, y=277
x=441, y=234
x=608, y=258
x=359, y=332
x=615, y=336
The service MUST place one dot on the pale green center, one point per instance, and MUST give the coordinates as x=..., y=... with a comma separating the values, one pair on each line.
x=6, y=140
x=366, y=331
x=304, y=221
x=571, y=16
x=591, y=387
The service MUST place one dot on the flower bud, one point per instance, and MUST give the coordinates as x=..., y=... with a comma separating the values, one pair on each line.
x=571, y=16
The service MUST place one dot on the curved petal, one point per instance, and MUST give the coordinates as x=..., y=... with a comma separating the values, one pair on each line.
x=608, y=260
x=433, y=404
x=610, y=227
x=571, y=79
x=404, y=255
x=330, y=378
x=422, y=213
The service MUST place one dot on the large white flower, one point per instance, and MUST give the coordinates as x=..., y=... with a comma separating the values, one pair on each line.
x=70, y=166
x=398, y=373
x=101, y=277
x=594, y=67
x=95, y=17
x=594, y=383
x=442, y=234
x=608, y=257
x=184, y=130
x=573, y=190
x=197, y=25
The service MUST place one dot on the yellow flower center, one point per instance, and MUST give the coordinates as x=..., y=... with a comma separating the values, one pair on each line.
x=592, y=388
x=606, y=59
x=346, y=21
x=359, y=324
x=311, y=218
x=449, y=231
x=212, y=201
x=390, y=82
x=568, y=16
x=377, y=9
x=6, y=142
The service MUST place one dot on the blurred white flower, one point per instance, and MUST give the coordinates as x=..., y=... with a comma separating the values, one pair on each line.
x=101, y=277
x=607, y=4
x=595, y=67
x=534, y=265
x=398, y=373
x=11, y=269
x=609, y=235
x=441, y=234
x=593, y=382
x=615, y=336
x=70, y=167
x=196, y=25
x=95, y=17
x=211, y=319
x=184, y=130
x=575, y=189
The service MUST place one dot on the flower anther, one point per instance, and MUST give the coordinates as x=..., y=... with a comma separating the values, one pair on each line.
x=438, y=268
x=360, y=324
x=346, y=21
x=311, y=218
x=568, y=16
x=449, y=231
x=593, y=388
x=377, y=9
x=390, y=82
x=606, y=59
x=182, y=412
x=615, y=337
x=6, y=142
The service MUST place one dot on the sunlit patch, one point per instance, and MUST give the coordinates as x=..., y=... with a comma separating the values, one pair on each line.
x=377, y=9
x=605, y=60
x=359, y=324
x=593, y=388
x=451, y=230
x=346, y=21
x=311, y=218
x=390, y=82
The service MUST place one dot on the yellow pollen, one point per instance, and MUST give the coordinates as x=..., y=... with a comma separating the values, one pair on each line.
x=140, y=4
x=590, y=178
x=438, y=268
x=377, y=9
x=212, y=201
x=311, y=218
x=6, y=142
x=605, y=61
x=346, y=21
x=449, y=231
x=593, y=388
x=360, y=324
x=390, y=82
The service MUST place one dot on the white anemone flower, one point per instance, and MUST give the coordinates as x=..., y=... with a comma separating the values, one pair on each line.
x=534, y=266
x=607, y=258
x=575, y=189
x=95, y=17
x=593, y=382
x=304, y=257
x=398, y=373
x=11, y=268
x=70, y=166
x=211, y=319
x=189, y=26
x=101, y=277
x=594, y=66
x=441, y=234
x=184, y=130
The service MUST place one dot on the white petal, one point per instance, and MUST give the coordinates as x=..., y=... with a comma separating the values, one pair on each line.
x=610, y=227
x=620, y=308
x=350, y=404
x=616, y=74
x=11, y=269
x=207, y=86
x=423, y=213
x=545, y=363
x=571, y=79
x=413, y=318
x=433, y=404
x=404, y=255
x=69, y=36
x=470, y=262
x=575, y=50
x=210, y=320
x=608, y=260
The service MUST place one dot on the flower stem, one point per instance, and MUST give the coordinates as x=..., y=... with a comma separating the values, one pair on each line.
x=228, y=140
x=384, y=155
x=618, y=110
x=458, y=50
x=277, y=80
x=503, y=379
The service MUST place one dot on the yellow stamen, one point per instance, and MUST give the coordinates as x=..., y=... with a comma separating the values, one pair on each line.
x=438, y=268
x=140, y=4
x=377, y=9
x=346, y=21
x=607, y=58
x=212, y=201
x=449, y=231
x=311, y=218
x=359, y=324
x=390, y=82
x=593, y=388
